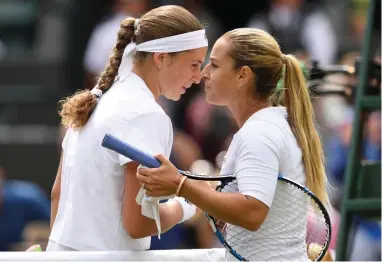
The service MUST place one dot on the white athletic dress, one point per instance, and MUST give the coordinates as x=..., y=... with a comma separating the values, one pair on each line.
x=264, y=147
x=89, y=216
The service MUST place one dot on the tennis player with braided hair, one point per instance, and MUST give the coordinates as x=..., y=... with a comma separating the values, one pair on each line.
x=94, y=204
x=245, y=66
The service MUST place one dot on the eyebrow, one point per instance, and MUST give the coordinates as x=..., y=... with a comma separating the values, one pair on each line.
x=198, y=61
x=214, y=60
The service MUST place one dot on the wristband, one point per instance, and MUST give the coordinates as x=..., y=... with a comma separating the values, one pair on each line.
x=188, y=209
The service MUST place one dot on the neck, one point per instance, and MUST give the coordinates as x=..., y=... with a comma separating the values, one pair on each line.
x=242, y=110
x=149, y=76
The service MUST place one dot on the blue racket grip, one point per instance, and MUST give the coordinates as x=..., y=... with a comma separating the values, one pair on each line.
x=115, y=144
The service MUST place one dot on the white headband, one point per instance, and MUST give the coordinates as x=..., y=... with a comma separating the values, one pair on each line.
x=176, y=43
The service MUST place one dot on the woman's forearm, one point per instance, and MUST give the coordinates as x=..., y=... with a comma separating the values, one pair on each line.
x=53, y=211
x=55, y=195
x=233, y=208
x=170, y=214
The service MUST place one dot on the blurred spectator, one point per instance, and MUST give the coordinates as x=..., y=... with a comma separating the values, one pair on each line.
x=367, y=233
x=209, y=125
x=333, y=110
x=355, y=27
x=103, y=38
x=52, y=30
x=299, y=28
x=20, y=203
x=185, y=150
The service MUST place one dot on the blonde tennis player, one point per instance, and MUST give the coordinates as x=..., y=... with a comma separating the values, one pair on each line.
x=94, y=203
x=245, y=66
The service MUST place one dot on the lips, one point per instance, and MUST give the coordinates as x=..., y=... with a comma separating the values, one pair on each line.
x=207, y=85
x=184, y=89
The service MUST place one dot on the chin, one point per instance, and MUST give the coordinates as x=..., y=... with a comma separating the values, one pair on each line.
x=173, y=97
x=210, y=100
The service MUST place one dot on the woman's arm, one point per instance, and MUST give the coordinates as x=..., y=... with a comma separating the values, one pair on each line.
x=151, y=132
x=55, y=195
x=137, y=225
x=256, y=167
x=233, y=208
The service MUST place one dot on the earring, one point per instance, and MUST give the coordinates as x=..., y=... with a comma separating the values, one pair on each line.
x=159, y=66
x=239, y=87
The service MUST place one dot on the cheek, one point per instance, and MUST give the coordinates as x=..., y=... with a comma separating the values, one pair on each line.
x=183, y=73
x=178, y=75
x=169, y=79
x=222, y=81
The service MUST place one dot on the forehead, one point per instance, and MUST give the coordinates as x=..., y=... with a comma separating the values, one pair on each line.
x=220, y=49
x=197, y=55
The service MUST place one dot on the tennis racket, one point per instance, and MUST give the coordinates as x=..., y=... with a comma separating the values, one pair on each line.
x=297, y=224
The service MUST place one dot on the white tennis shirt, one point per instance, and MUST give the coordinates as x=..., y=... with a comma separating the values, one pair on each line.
x=264, y=147
x=89, y=216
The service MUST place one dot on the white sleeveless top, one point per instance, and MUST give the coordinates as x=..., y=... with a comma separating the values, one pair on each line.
x=89, y=216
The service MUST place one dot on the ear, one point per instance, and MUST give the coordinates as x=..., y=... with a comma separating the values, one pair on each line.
x=159, y=59
x=244, y=76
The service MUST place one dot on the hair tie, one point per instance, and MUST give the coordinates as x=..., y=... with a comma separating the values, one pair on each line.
x=136, y=24
x=97, y=92
x=283, y=59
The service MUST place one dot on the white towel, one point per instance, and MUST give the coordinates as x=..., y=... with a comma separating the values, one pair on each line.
x=150, y=206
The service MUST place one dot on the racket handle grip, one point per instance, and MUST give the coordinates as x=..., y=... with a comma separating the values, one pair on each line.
x=115, y=144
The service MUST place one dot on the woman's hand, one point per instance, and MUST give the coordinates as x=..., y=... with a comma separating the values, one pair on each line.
x=162, y=181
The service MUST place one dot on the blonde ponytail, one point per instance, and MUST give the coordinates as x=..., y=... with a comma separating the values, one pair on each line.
x=302, y=121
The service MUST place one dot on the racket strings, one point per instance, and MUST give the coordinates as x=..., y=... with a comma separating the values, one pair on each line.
x=294, y=225
x=236, y=239
x=235, y=236
x=312, y=212
x=313, y=233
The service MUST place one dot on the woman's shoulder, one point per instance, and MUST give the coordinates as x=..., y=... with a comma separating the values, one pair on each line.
x=271, y=121
x=133, y=103
x=261, y=130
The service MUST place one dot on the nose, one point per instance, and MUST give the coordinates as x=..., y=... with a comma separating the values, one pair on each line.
x=197, y=77
x=205, y=73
